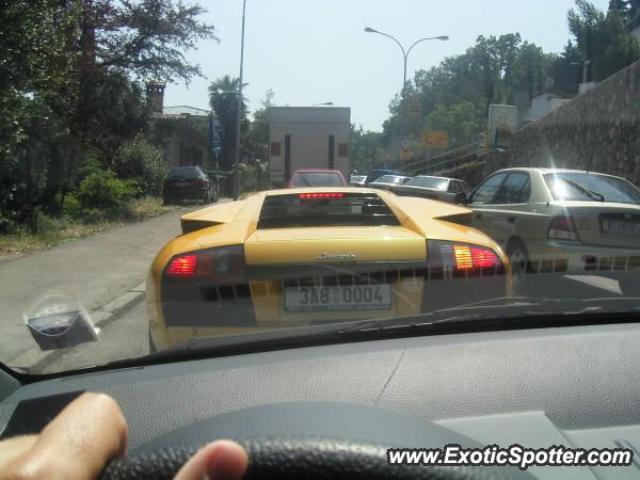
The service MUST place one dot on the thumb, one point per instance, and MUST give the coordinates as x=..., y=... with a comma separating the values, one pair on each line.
x=220, y=460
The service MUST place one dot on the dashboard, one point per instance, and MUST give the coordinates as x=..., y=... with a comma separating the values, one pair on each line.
x=575, y=386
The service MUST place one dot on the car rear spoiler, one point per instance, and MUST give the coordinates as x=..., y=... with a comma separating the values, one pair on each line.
x=210, y=216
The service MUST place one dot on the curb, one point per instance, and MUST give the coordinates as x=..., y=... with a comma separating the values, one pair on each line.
x=103, y=316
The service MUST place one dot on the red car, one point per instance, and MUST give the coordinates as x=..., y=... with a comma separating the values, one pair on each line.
x=317, y=177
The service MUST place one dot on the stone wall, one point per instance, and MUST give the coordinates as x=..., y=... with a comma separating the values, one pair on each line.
x=598, y=131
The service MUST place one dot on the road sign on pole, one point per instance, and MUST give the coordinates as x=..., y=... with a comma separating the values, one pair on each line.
x=435, y=139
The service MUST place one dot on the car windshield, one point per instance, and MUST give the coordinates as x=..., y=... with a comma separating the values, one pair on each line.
x=317, y=179
x=592, y=187
x=433, y=183
x=199, y=176
x=392, y=179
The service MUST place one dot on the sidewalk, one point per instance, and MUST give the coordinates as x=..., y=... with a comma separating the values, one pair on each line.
x=95, y=270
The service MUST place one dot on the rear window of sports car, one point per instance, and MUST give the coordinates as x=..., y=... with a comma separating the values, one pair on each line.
x=325, y=209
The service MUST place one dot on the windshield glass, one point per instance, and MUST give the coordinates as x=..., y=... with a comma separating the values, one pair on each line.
x=591, y=187
x=169, y=178
x=392, y=179
x=434, y=183
x=317, y=179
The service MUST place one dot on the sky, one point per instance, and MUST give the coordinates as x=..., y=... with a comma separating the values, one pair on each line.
x=315, y=51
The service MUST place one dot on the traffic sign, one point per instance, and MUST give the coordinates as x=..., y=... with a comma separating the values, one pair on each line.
x=435, y=139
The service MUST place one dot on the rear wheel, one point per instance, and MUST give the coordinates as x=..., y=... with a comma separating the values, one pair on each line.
x=519, y=257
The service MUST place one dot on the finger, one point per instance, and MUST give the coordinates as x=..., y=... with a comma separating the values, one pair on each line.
x=220, y=460
x=79, y=442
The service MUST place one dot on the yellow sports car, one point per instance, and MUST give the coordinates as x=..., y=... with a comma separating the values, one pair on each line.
x=294, y=257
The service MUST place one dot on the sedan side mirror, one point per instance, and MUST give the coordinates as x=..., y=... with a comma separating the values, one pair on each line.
x=461, y=198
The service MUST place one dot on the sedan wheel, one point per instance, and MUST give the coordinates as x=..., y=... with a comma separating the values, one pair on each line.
x=519, y=258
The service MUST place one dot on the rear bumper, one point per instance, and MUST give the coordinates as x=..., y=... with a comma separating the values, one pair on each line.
x=261, y=306
x=579, y=258
x=187, y=193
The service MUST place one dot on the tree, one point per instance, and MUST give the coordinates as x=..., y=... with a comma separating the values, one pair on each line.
x=462, y=122
x=255, y=141
x=603, y=39
x=223, y=98
x=67, y=100
x=367, y=150
x=146, y=38
x=566, y=70
x=494, y=70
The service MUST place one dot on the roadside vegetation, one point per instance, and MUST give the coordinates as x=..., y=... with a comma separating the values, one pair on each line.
x=74, y=120
x=52, y=231
x=454, y=96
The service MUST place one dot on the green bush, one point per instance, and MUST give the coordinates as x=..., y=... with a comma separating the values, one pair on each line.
x=102, y=190
x=143, y=163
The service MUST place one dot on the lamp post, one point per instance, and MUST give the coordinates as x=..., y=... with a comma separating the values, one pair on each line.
x=405, y=51
x=236, y=160
x=405, y=56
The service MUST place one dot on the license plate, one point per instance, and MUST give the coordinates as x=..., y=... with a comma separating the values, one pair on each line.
x=621, y=227
x=339, y=297
x=182, y=184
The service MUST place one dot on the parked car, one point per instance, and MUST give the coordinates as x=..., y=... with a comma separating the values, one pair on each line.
x=373, y=175
x=562, y=220
x=186, y=183
x=388, y=182
x=444, y=189
x=316, y=255
x=357, y=180
x=317, y=177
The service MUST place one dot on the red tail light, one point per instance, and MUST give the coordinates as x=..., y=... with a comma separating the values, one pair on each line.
x=183, y=266
x=474, y=257
x=216, y=264
x=318, y=195
x=462, y=258
x=562, y=227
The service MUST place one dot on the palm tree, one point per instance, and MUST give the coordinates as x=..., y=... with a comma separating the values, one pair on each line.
x=223, y=98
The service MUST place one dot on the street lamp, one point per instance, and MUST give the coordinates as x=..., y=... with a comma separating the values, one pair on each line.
x=236, y=160
x=322, y=104
x=405, y=52
x=405, y=56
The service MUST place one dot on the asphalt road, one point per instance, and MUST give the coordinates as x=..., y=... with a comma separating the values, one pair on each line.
x=94, y=271
x=103, y=270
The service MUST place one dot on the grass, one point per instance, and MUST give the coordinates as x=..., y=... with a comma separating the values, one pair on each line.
x=54, y=231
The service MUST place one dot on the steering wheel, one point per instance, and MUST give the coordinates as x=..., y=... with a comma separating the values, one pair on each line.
x=309, y=440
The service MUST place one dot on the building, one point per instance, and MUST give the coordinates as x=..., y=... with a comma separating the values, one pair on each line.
x=183, y=132
x=308, y=137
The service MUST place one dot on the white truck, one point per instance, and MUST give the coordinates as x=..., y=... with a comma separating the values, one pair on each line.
x=308, y=137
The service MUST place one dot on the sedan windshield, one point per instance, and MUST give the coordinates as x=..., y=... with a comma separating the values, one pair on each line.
x=317, y=180
x=433, y=183
x=591, y=187
x=392, y=179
